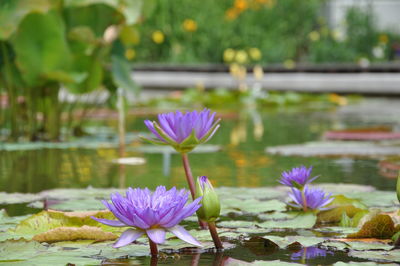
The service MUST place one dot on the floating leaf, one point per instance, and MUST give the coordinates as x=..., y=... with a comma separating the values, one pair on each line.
x=302, y=220
x=392, y=255
x=12, y=198
x=21, y=249
x=380, y=226
x=342, y=200
x=335, y=215
x=65, y=233
x=305, y=241
x=47, y=220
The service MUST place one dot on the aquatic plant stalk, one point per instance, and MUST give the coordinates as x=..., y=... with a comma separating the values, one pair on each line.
x=189, y=176
x=190, y=181
x=153, y=248
x=214, y=235
x=304, y=200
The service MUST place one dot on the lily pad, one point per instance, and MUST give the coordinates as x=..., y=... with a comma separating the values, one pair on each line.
x=336, y=148
x=21, y=249
x=305, y=241
x=302, y=220
x=12, y=198
x=390, y=255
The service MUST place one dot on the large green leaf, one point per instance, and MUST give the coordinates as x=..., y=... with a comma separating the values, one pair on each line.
x=121, y=73
x=13, y=11
x=98, y=17
x=41, y=48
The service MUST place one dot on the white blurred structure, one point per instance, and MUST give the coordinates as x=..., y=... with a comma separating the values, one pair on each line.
x=386, y=12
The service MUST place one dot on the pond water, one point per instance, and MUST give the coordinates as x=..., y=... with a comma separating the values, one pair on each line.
x=241, y=161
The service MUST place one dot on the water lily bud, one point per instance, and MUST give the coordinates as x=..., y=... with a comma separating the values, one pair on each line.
x=210, y=205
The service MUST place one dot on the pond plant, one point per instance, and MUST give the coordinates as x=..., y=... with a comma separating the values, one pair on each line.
x=304, y=197
x=184, y=131
x=152, y=214
x=51, y=48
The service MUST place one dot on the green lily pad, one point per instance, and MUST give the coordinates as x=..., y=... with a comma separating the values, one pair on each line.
x=340, y=263
x=253, y=205
x=335, y=215
x=302, y=220
x=87, y=204
x=356, y=245
x=12, y=198
x=235, y=262
x=305, y=241
x=21, y=249
x=390, y=255
x=376, y=198
x=236, y=224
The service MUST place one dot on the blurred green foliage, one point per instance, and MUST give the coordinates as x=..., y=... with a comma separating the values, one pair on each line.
x=284, y=31
x=46, y=45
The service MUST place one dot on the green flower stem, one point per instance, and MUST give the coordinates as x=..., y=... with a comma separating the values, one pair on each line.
x=153, y=248
x=214, y=235
x=189, y=176
x=303, y=197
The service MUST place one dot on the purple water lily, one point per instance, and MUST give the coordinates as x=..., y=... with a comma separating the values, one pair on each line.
x=184, y=131
x=310, y=198
x=152, y=214
x=297, y=177
x=310, y=253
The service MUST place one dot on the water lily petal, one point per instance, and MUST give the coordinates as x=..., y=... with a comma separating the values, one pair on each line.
x=157, y=235
x=128, y=237
x=109, y=222
x=181, y=233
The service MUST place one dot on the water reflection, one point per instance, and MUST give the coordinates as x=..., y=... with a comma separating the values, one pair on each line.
x=307, y=253
x=245, y=164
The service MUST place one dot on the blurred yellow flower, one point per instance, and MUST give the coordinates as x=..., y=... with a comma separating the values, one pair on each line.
x=241, y=56
x=258, y=72
x=337, y=99
x=314, y=36
x=338, y=35
x=189, y=25
x=255, y=53
x=130, y=54
x=234, y=69
x=229, y=55
x=383, y=38
x=157, y=37
x=241, y=4
x=232, y=13
x=289, y=64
